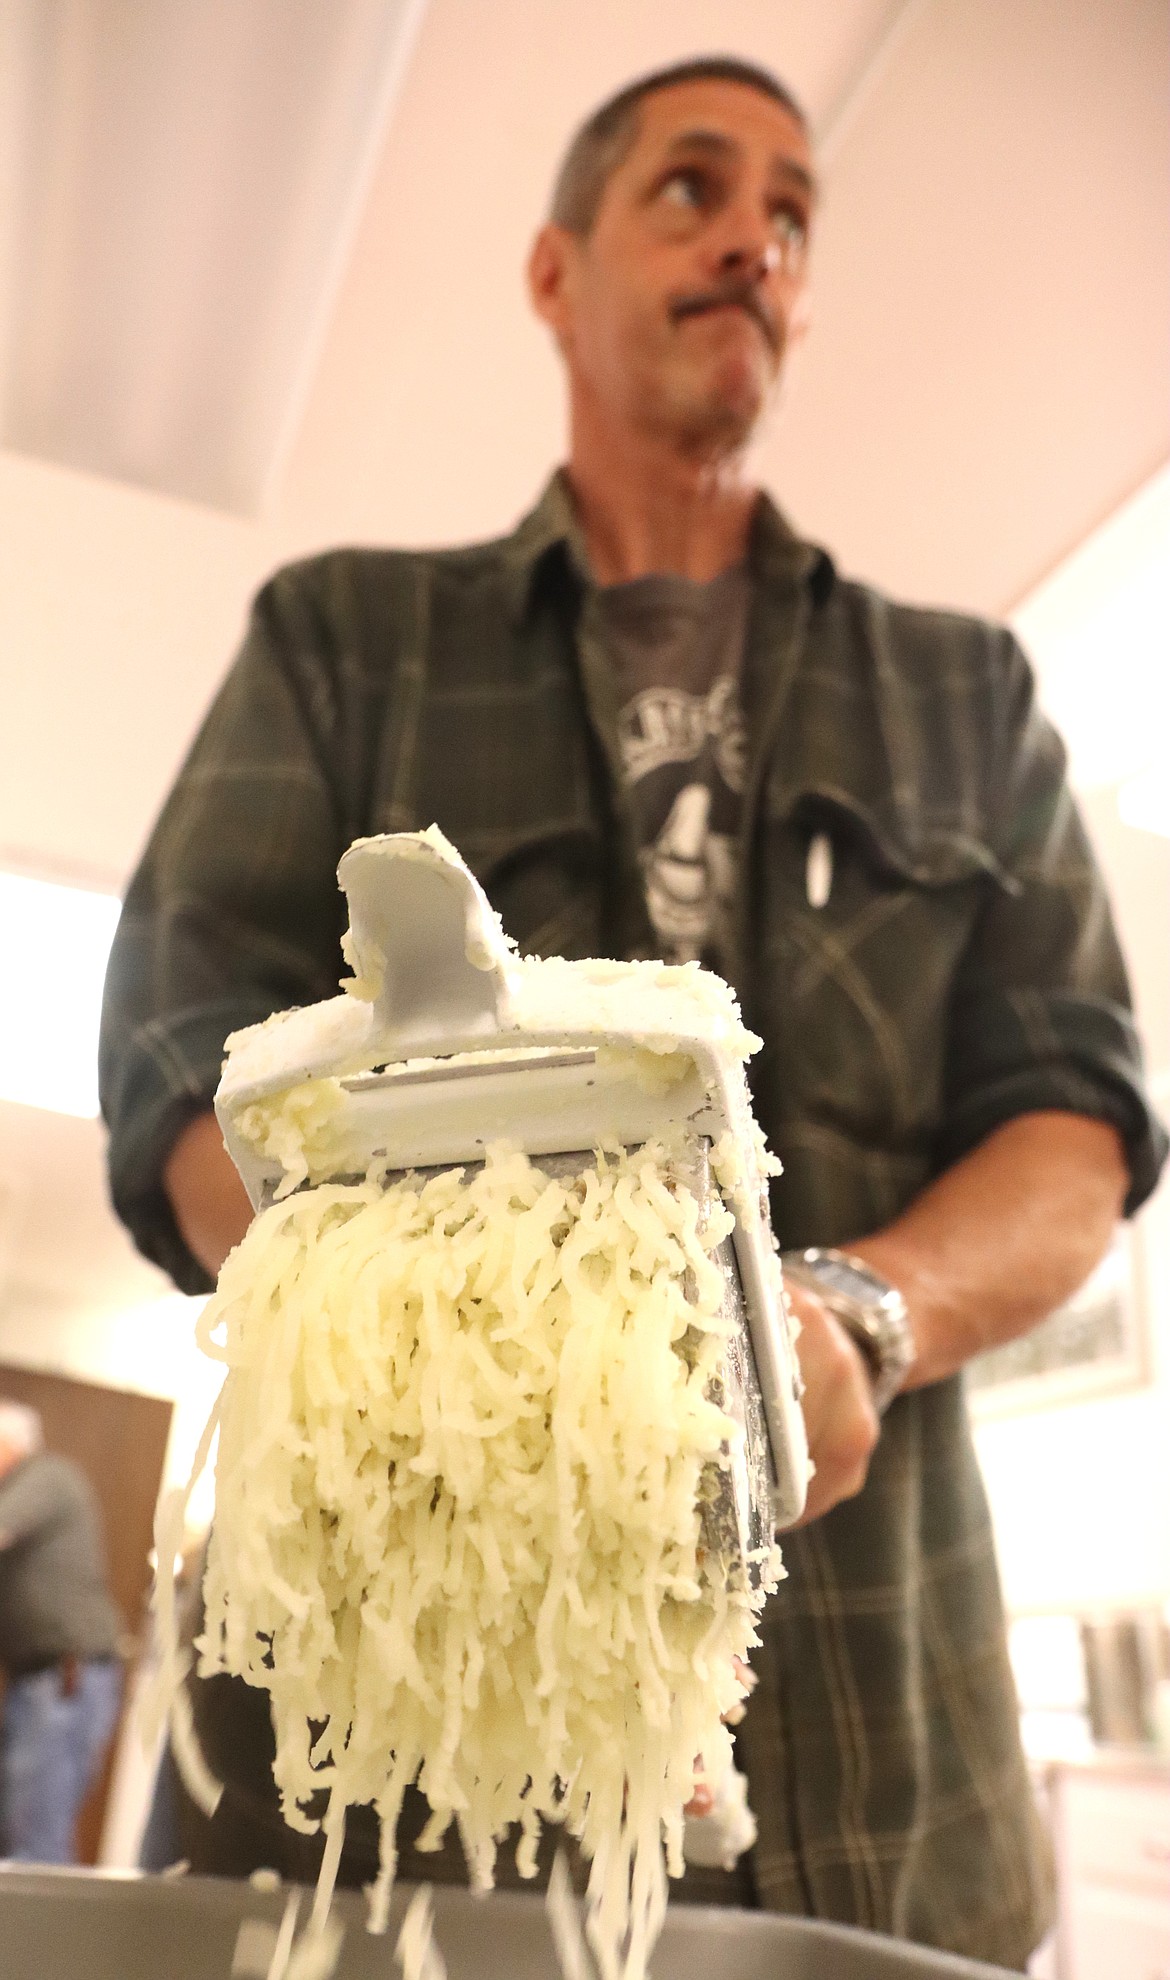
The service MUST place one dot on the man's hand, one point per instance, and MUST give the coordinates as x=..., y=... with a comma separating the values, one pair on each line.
x=839, y=1415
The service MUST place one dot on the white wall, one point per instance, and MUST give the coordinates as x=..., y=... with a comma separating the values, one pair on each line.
x=118, y=611
x=1080, y=1494
x=149, y=1349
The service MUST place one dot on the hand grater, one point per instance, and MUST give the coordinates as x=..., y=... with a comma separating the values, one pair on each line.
x=449, y=1041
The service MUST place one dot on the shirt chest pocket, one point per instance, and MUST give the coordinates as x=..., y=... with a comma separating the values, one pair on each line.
x=861, y=943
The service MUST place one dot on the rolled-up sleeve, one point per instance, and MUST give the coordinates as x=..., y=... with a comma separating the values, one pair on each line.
x=233, y=913
x=1041, y=1015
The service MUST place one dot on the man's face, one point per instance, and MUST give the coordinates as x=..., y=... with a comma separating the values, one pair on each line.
x=675, y=313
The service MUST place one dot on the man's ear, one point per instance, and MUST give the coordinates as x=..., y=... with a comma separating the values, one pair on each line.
x=550, y=266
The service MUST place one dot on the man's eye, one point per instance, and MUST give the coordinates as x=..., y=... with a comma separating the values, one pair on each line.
x=684, y=190
x=791, y=229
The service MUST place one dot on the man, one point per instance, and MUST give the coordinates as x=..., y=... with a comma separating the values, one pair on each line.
x=655, y=722
x=58, y=1644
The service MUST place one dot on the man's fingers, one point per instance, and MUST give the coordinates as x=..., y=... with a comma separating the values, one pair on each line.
x=702, y=1800
x=839, y=1413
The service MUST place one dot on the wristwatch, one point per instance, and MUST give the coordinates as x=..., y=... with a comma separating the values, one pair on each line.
x=871, y=1310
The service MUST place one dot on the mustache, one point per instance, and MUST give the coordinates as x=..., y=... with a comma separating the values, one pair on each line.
x=739, y=292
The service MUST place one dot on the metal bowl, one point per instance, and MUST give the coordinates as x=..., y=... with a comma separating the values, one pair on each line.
x=60, y=1924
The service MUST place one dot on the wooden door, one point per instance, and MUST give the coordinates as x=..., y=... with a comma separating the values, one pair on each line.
x=119, y=1439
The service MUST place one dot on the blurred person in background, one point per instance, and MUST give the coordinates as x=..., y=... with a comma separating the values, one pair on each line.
x=59, y=1633
x=656, y=722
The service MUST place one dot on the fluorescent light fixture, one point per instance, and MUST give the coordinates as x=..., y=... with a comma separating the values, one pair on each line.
x=1144, y=801
x=179, y=187
x=57, y=942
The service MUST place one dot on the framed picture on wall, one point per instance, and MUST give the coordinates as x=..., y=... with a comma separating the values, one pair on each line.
x=1093, y=1345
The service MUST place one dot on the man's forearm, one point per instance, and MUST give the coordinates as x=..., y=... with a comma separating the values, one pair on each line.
x=999, y=1240
x=209, y=1201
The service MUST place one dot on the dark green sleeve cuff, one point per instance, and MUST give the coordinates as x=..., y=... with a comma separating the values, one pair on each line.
x=164, y=1074
x=1031, y=1051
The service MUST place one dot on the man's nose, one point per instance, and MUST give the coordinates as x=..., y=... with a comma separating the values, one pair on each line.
x=767, y=258
x=747, y=243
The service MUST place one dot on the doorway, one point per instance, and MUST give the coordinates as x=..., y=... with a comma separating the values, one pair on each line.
x=119, y=1440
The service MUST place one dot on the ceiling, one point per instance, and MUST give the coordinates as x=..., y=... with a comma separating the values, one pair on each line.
x=260, y=290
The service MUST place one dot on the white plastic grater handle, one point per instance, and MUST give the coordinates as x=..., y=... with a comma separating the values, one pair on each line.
x=423, y=931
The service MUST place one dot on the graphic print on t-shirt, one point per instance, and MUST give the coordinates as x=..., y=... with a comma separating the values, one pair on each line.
x=673, y=649
x=683, y=755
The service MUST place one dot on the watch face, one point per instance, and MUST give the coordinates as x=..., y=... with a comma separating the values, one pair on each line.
x=868, y=1307
x=838, y=1276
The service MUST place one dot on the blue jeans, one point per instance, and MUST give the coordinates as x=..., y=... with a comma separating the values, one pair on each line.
x=51, y=1746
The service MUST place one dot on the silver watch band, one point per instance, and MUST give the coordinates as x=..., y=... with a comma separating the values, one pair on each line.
x=872, y=1311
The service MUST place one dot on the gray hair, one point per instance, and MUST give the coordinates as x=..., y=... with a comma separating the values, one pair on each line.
x=607, y=137
x=21, y=1427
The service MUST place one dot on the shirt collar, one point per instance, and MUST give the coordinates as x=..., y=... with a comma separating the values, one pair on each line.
x=775, y=552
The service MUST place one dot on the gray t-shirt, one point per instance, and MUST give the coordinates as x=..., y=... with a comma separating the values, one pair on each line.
x=675, y=652
x=53, y=1599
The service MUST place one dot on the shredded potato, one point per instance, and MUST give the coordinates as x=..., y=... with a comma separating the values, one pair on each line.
x=298, y=1129
x=416, y=1952
x=461, y=1446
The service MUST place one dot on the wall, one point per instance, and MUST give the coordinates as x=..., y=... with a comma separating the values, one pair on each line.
x=1080, y=1494
x=148, y=1349
x=119, y=611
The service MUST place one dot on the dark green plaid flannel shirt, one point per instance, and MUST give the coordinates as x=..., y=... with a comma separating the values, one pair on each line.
x=963, y=971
